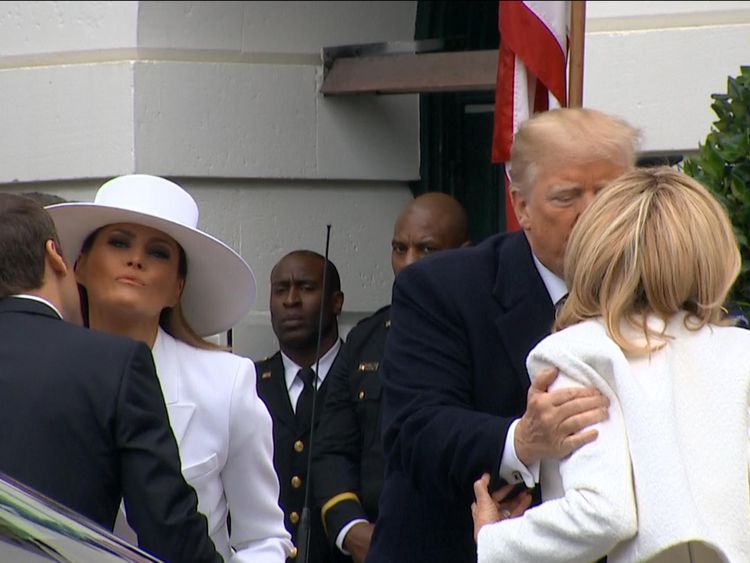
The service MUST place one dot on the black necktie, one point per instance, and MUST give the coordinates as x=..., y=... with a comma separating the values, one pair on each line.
x=303, y=412
x=560, y=303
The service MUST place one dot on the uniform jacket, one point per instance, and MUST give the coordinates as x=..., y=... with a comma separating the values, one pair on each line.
x=84, y=423
x=348, y=467
x=454, y=375
x=677, y=420
x=290, y=454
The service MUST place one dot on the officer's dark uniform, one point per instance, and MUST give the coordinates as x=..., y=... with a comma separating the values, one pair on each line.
x=348, y=462
x=290, y=453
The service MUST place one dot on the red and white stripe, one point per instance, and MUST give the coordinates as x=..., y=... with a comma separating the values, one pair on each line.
x=531, y=71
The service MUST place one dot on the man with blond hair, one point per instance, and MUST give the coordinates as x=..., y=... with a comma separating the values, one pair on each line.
x=457, y=398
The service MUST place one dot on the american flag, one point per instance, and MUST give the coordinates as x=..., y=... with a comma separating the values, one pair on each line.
x=531, y=71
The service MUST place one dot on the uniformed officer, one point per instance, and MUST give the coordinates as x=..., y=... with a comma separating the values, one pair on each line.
x=288, y=379
x=348, y=464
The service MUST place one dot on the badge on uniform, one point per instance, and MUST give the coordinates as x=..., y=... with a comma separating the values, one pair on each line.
x=266, y=375
x=369, y=366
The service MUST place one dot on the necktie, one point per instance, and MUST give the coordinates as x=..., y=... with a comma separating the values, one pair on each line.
x=560, y=303
x=303, y=412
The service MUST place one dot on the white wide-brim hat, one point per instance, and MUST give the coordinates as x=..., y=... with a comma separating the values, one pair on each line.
x=219, y=287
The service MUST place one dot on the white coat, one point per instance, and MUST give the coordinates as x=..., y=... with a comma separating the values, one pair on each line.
x=225, y=439
x=667, y=478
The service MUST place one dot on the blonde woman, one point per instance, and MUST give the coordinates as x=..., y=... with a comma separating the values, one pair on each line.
x=148, y=273
x=649, y=266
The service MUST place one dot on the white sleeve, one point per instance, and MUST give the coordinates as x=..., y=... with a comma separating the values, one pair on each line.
x=250, y=482
x=596, y=512
x=513, y=469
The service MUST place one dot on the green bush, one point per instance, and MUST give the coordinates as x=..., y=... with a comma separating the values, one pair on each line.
x=723, y=166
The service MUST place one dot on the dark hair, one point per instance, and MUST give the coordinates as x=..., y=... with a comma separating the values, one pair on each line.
x=25, y=228
x=333, y=280
x=44, y=198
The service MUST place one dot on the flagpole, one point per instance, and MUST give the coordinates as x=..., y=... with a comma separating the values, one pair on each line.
x=575, y=68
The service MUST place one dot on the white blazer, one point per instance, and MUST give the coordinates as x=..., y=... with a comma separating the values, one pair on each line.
x=667, y=479
x=225, y=438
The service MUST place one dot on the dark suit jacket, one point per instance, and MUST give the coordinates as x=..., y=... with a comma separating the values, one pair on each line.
x=348, y=464
x=84, y=423
x=290, y=455
x=462, y=323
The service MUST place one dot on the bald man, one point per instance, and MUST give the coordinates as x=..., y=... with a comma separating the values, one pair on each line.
x=348, y=463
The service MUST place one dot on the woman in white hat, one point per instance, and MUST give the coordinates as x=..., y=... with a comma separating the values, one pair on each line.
x=148, y=273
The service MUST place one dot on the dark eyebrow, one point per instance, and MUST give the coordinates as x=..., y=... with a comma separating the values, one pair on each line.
x=160, y=240
x=295, y=281
x=130, y=234
x=298, y=281
x=124, y=232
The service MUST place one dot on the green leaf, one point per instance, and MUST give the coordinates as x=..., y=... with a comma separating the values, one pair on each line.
x=722, y=164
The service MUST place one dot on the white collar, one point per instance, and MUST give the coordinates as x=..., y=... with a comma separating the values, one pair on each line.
x=554, y=284
x=40, y=300
x=326, y=361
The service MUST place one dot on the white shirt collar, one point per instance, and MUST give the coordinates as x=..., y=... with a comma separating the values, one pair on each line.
x=326, y=361
x=554, y=284
x=40, y=300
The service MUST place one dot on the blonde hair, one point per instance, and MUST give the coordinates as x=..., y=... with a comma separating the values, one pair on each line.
x=553, y=138
x=654, y=242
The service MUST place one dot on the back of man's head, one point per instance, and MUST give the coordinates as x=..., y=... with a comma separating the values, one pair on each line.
x=433, y=221
x=44, y=199
x=25, y=228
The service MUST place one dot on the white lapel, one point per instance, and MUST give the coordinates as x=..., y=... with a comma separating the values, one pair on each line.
x=166, y=358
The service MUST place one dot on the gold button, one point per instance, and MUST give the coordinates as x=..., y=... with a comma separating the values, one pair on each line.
x=299, y=446
x=293, y=554
x=296, y=482
x=293, y=517
x=361, y=395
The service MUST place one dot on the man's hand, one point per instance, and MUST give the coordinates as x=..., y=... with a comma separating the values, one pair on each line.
x=493, y=508
x=554, y=421
x=357, y=540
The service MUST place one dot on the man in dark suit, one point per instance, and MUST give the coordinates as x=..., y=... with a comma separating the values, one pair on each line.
x=457, y=398
x=289, y=380
x=348, y=464
x=82, y=412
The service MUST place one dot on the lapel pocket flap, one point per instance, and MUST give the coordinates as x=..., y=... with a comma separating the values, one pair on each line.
x=195, y=471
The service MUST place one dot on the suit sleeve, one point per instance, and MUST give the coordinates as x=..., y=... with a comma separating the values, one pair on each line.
x=433, y=432
x=249, y=478
x=162, y=508
x=596, y=512
x=337, y=457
